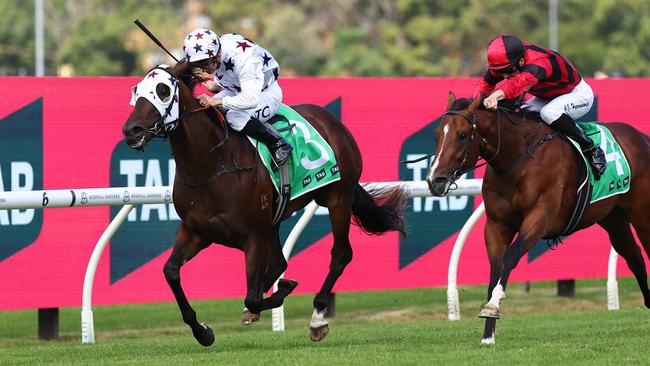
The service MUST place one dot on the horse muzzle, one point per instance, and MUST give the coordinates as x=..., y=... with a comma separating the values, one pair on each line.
x=439, y=186
x=136, y=138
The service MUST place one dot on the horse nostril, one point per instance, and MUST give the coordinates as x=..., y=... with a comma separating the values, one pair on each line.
x=440, y=180
x=136, y=131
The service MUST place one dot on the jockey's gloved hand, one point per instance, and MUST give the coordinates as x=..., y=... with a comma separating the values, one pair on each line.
x=201, y=75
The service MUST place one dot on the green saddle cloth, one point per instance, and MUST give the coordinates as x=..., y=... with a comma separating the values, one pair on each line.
x=616, y=179
x=312, y=163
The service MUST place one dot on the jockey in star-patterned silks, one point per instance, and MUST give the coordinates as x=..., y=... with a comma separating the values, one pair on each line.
x=560, y=93
x=247, y=76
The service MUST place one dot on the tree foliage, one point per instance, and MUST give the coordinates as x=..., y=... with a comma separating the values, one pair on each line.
x=332, y=37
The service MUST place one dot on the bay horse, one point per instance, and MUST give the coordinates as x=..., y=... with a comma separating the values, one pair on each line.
x=529, y=189
x=224, y=195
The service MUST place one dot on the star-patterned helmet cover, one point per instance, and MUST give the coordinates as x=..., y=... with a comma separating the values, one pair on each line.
x=201, y=44
x=160, y=88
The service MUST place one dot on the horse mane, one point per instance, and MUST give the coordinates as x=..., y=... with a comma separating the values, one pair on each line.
x=508, y=105
x=181, y=72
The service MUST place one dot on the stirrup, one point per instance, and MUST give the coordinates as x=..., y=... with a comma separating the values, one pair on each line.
x=286, y=150
x=597, y=161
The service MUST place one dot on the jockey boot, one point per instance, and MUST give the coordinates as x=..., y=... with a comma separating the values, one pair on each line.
x=566, y=125
x=264, y=132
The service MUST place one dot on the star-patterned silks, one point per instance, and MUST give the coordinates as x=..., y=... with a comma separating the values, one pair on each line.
x=243, y=46
x=152, y=74
x=199, y=36
x=229, y=65
x=276, y=73
x=266, y=59
x=198, y=48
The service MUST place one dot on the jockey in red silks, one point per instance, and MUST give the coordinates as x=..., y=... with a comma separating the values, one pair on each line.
x=560, y=95
x=247, y=76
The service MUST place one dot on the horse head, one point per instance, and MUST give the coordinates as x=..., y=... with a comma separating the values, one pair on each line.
x=156, y=100
x=457, y=144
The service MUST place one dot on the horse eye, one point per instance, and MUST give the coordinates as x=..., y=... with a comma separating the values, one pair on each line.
x=462, y=136
x=163, y=91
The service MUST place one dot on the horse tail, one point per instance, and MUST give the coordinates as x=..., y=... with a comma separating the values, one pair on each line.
x=379, y=210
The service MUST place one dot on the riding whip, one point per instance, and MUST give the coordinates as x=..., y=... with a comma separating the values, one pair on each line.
x=153, y=38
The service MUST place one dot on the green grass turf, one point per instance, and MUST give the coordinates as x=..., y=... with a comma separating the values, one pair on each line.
x=370, y=328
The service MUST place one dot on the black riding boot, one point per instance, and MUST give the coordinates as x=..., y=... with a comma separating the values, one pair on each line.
x=595, y=154
x=264, y=132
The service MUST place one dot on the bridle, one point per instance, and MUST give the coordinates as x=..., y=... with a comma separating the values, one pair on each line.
x=162, y=130
x=470, y=142
x=527, y=152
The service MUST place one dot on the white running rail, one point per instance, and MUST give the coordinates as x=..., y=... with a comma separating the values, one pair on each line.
x=415, y=189
x=128, y=197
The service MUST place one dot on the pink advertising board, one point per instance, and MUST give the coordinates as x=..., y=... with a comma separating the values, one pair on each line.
x=60, y=133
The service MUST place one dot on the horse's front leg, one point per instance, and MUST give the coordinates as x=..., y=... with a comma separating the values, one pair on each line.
x=531, y=231
x=497, y=239
x=186, y=245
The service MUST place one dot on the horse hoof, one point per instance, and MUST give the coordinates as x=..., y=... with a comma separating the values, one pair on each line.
x=204, y=335
x=489, y=312
x=248, y=318
x=287, y=285
x=487, y=341
x=317, y=334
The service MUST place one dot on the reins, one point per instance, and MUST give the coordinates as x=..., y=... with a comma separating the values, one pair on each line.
x=471, y=119
x=162, y=129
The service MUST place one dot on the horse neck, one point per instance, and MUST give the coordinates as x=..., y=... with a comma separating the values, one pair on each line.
x=506, y=141
x=193, y=142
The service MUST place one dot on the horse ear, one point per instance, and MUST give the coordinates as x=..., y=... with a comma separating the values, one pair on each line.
x=451, y=98
x=475, y=104
x=180, y=67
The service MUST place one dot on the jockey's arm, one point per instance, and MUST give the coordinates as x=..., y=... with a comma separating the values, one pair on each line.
x=251, y=80
x=486, y=84
x=517, y=85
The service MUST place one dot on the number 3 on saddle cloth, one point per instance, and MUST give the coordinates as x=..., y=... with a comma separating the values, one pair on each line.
x=312, y=163
x=615, y=180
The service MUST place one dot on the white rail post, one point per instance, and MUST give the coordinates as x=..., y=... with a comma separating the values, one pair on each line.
x=612, y=284
x=277, y=314
x=453, y=303
x=87, y=325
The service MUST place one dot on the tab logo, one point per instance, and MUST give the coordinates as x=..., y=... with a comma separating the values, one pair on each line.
x=21, y=169
x=149, y=229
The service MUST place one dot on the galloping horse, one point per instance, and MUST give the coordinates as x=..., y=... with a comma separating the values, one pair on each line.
x=224, y=195
x=529, y=189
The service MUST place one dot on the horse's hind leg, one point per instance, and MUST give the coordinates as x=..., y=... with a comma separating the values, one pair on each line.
x=186, y=246
x=641, y=222
x=276, y=265
x=340, y=212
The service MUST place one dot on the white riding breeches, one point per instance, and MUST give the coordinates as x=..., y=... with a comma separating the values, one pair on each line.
x=575, y=103
x=268, y=104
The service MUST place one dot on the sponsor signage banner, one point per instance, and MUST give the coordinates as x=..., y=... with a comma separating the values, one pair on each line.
x=58, y=133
